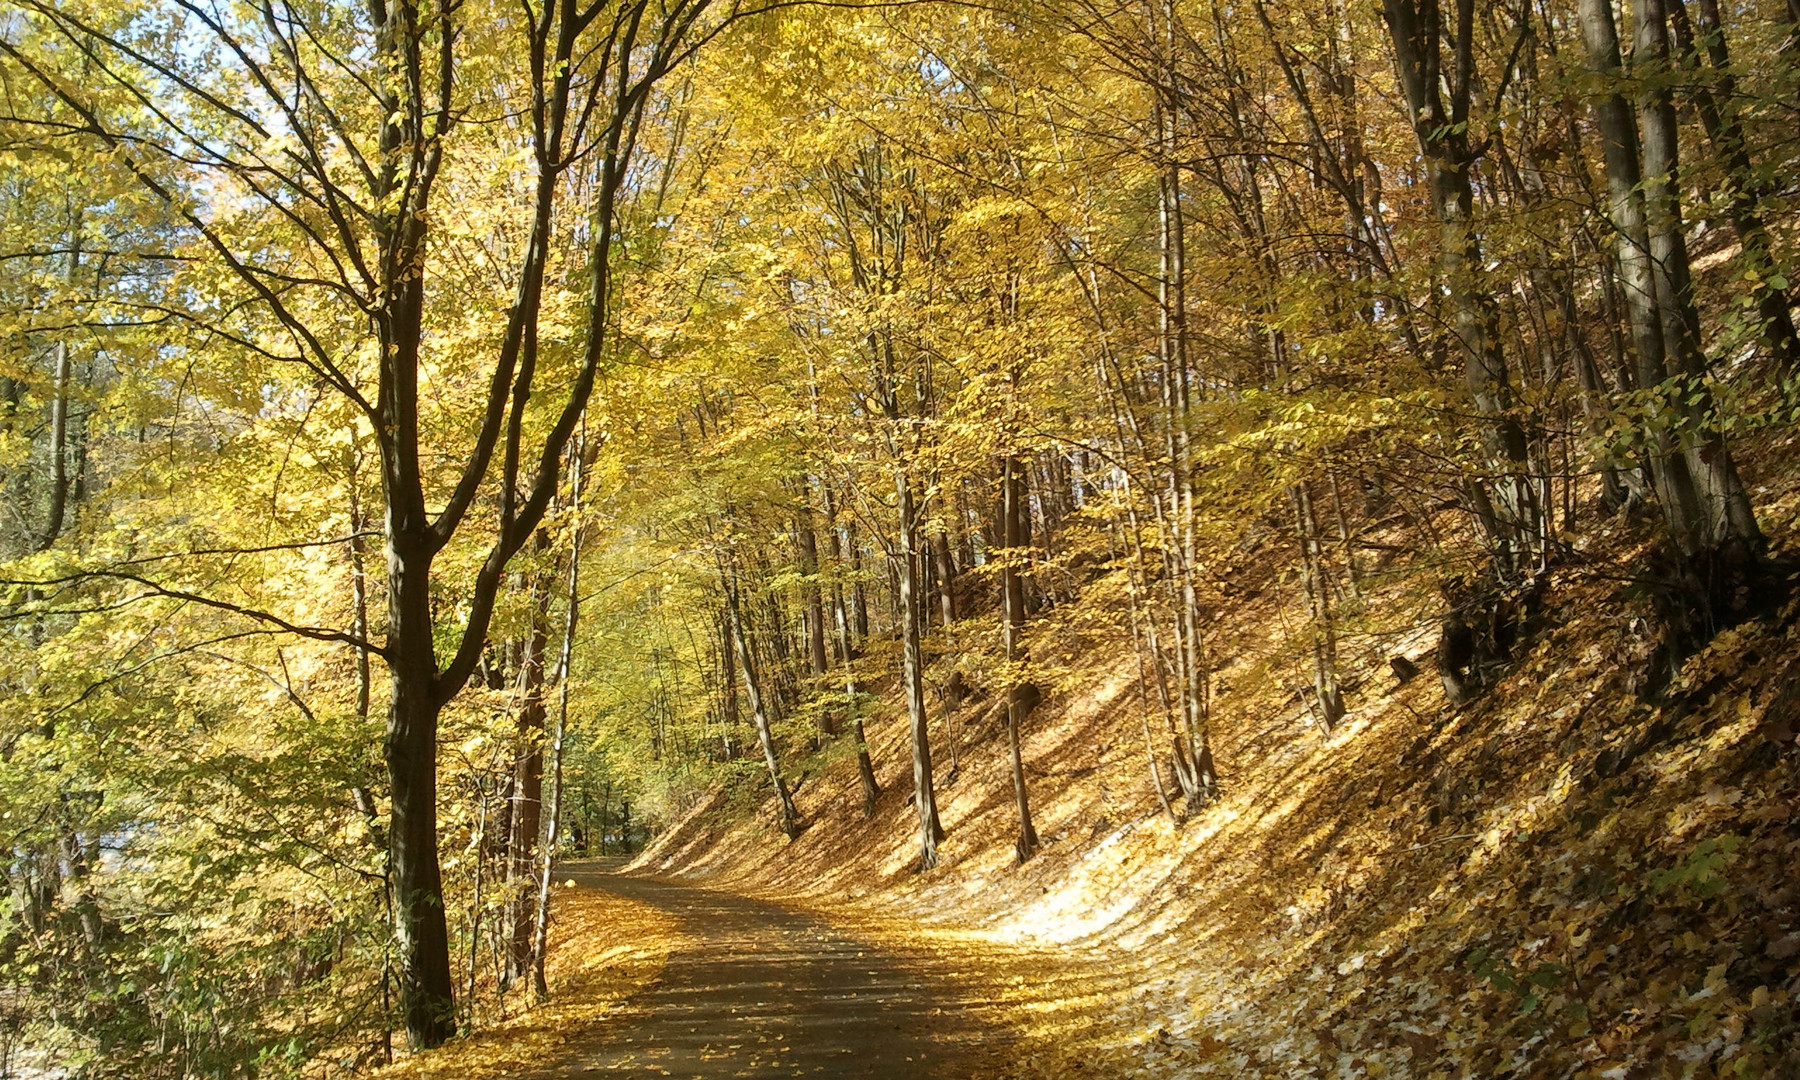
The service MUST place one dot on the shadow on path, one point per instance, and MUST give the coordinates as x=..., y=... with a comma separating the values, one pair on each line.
x=765, y=991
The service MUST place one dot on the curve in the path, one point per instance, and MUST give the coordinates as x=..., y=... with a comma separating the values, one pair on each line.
x=764, y=991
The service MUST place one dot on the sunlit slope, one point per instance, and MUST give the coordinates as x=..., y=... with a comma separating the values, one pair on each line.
x=1570, y=876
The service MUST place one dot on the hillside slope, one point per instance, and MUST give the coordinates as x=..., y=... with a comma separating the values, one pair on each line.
x=1571, y=876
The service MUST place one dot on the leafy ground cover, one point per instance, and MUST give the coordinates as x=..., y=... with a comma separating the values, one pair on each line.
x=609, y=948
x=1577, y=875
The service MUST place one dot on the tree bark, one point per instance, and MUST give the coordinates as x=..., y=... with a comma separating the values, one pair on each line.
x=865, y=767
x=753, y=692
x=1179, y=535
x=565, y=660
x=1323, y=633
x=729, y=676
x=59, y=446
x=946, y=577
x=427, y=1004
x=526, y=817
x=913, y=669
x=1718, y=116
x=1704, y=506
x=1012, y=629
x=1729, y=520
x=1415, y=27
x=817, y=661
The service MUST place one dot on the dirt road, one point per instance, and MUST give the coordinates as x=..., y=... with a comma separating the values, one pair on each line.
x=768, y=991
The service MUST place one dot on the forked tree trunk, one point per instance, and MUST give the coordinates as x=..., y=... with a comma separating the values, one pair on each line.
x=1193, y=751
x=1705, y=509
x=1506, y=507
x=1729, y=523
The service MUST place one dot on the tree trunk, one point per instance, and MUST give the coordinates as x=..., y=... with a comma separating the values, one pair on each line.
x=865, y=767
x=427, y=1001
x=1729, y=522
x=1180, y=537
x=526, y=817
x=1675, y=487
x=1326, y=692
x=946, y=577
x=1415, y=27
x=359, y=587
x=728, y=668
x=790, y=820
x=859, y=596
x=913, y=673
x=1705, y=509
x=1012, y=602
x=59, y=446
x=565, y=659
x=1719, y=118
x=818, y=662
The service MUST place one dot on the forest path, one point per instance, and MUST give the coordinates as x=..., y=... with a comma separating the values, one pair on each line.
x=764, y=990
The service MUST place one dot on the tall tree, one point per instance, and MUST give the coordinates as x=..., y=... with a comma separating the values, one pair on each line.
x=365, y=108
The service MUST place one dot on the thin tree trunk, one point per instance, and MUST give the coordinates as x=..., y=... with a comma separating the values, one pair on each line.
x=1138, y=647
x=1193, y=747
x=818, y=662
x=1323, y=634
x=1719, y=118
x=565, y=658
x=865, y=767
x=790, y=820
x=859, y=596
x=359, y=587
x=1344, y=537
x=1415, y=28
x=1012, y=597
x=931, y=829
x=475, y=902
x=946, y=577
x=526, y=816
x=59, y=446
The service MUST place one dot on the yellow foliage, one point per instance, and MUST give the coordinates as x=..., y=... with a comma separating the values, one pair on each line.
x=604, y=948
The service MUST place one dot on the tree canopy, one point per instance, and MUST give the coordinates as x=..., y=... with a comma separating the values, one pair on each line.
x=438, y=435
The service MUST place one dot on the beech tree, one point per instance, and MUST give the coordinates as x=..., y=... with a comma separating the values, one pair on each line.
x=342, y=126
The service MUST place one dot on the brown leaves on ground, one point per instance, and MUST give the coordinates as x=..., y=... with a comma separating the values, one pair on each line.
x=604, y=949
x=1561, y=880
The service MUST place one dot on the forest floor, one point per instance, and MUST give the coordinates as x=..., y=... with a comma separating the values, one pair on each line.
x=655, y=978
x=770, y=990
x=1581, y=874
x=1560, y=882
